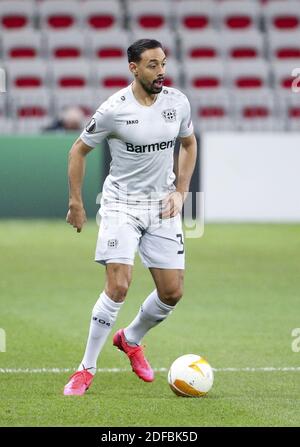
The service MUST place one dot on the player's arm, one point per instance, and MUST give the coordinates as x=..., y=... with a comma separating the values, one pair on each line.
x=186, y=165
x=76, y=168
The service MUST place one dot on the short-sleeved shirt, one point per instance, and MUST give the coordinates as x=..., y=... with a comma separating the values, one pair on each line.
x=141, y=141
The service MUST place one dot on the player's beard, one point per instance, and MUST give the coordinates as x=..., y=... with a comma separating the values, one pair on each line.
x=150, y=88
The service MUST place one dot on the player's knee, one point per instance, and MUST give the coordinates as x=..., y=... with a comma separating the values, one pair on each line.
x=118, y=291
x=171, y=296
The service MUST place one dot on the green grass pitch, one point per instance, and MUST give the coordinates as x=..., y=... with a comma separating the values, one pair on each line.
x=240, y=306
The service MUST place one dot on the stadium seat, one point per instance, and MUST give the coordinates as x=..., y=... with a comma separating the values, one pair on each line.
x=22, y=44
x=250, y=74
x=111, y=76
x=284, y=44
x=256, y=111
x=173, y=72
x=282, y=73
x=84, y=98
x=290, y=105
x=71, y=74
x=200, y=44
x=27, y=74
x=7, y=125
x=58, y=15
x=16, y=14
x=194, y=15
x=247, y=44
x=102, y=15
x=31, y=109
x=238, y=15
x=109, y=44
x=166, y=37
x=148, y=14
x=205, y=74
x=65, y=44
x=282, y=15
x=211, y=110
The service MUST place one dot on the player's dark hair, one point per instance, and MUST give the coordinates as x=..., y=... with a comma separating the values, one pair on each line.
x=138, y=47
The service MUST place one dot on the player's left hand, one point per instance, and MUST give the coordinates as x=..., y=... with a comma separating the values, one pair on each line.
x=172, y=205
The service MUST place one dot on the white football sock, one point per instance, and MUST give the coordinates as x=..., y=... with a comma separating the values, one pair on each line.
x=104, y=315
x=151, y=313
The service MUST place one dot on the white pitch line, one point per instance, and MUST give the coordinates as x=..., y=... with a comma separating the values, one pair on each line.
x=120, y=370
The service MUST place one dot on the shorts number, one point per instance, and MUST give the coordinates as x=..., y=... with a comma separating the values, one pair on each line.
x=180, y=252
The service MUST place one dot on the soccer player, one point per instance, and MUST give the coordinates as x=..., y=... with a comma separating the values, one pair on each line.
x=140, y=206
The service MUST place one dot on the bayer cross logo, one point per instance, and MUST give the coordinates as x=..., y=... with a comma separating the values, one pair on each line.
x=112, y=243
x=169, y=115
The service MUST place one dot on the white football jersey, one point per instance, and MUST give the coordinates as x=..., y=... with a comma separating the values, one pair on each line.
x=141, y=140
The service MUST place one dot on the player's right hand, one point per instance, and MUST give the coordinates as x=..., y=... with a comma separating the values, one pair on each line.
x=76, y=217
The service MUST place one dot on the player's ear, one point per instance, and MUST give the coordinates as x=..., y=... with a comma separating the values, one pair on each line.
x=133, y=68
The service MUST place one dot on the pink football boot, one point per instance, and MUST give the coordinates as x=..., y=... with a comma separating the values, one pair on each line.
x=79, y=383
x=136, y=356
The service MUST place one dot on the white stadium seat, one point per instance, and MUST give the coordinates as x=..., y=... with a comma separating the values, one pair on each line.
x=16, y=14
x=22, y=44
x=194, y=15
x=102, y=15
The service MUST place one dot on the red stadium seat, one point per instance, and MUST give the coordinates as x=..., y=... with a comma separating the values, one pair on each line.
x=200, y=44
x=282, y=15
x=109, y=44
x=205, y=74
x=242, y=44
x=193, y=15
x=25, y=74
x=248, y=75
x=16, y=14
x=71, y=74
x=238, y=15
x=30, y=109
x=58, y=15
x=112, y=75
x=284, y=44
x=22, y=44
x=212, y=110
x=148, y=15
x=256, y=111
x=65, y=44
x=102, y=15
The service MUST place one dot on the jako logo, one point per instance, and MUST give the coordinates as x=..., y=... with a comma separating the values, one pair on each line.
x=151, y=147
x=132, y=121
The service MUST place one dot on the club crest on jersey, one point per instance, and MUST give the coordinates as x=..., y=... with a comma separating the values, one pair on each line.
x=91, y=126
x=112, y=243
x=169, y=115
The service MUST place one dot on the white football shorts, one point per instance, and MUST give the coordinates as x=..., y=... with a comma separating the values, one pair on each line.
x=125, y=230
